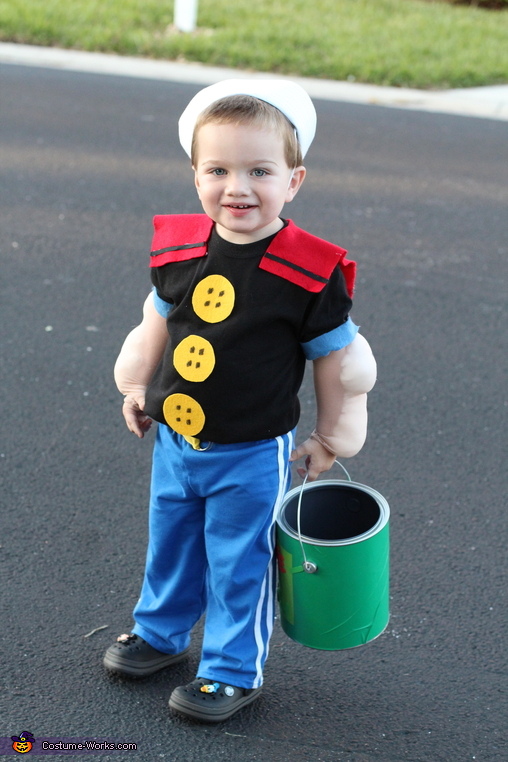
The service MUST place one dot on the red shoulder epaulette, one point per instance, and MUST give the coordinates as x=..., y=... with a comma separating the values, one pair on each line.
x=178, y=237
x=294, y=254
x=306, y=260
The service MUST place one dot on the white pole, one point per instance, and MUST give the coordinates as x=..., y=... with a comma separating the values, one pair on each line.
x=186, y=12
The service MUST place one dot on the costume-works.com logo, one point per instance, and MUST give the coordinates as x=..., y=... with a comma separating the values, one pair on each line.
x=23, y=743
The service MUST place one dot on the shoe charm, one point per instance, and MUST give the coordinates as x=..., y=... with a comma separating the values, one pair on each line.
x=210, y=688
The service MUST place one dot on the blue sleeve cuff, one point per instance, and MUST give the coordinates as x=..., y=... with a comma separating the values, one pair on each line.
x=338, y=338
x=162, y=307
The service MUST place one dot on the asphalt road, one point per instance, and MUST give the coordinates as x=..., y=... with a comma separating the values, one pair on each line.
x=420, y=202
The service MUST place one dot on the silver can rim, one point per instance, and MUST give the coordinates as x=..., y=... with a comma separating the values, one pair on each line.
x=381, y=523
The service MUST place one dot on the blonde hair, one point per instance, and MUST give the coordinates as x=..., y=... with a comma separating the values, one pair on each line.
x=245, y=109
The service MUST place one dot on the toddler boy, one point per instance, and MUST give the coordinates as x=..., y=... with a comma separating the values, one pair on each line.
x=241, y=298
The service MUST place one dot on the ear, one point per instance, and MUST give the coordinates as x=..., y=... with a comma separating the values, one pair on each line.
x=295, y=183
x=196, y=180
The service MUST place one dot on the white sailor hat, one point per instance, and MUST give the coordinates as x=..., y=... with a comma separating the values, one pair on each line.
x=285, y=95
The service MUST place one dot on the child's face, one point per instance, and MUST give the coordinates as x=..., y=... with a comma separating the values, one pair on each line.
x=243, y=180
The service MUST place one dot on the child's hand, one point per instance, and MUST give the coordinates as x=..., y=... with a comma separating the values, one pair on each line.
x=318, y=459
x=136, y=420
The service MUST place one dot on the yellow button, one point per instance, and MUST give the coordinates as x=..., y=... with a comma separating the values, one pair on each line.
x=213, y=299
x=183, y=414
x=194, y=358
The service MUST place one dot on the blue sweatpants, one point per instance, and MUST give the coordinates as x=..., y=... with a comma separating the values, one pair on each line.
x=211, y=549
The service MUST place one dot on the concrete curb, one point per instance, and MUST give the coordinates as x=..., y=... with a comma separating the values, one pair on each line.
x=482, y=102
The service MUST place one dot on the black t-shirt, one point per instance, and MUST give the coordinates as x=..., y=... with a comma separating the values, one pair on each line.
x=234, y=363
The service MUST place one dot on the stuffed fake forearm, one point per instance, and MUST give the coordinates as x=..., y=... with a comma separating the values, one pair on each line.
x=342, y=380
x=140, y=354
x=141, y=351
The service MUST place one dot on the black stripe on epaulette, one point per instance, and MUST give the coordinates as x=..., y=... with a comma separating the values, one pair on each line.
x=177, y=248
x=296, y=267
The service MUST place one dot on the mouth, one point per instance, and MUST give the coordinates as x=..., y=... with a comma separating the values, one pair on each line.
x=239, y=210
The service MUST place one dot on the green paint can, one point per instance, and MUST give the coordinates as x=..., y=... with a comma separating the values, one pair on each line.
x=333, y=558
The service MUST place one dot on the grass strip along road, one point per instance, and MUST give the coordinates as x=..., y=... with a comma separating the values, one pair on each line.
x=406, y=43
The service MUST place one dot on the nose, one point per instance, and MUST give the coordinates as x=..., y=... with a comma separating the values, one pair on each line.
x=237, y=184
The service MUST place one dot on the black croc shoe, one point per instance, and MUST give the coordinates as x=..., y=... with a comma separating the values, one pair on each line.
x=133, y=656
x=208, y=701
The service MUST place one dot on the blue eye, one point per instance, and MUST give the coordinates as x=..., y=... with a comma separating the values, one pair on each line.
x=219, y=172
x=259, y=172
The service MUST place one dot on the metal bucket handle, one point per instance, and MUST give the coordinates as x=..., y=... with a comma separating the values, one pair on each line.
x=308, y=566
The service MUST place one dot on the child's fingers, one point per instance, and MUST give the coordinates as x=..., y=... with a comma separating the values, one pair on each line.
x=298, y=453
x=313, y=470
x=136, y=420
x=145, y=423
x=133, y=425
x=317, y=459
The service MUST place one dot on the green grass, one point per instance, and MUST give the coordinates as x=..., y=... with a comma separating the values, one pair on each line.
x=410, y=43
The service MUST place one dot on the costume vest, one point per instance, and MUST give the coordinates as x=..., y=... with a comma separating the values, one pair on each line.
x=239, y=315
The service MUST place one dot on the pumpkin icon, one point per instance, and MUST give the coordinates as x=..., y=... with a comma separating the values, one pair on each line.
x=23, y=743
